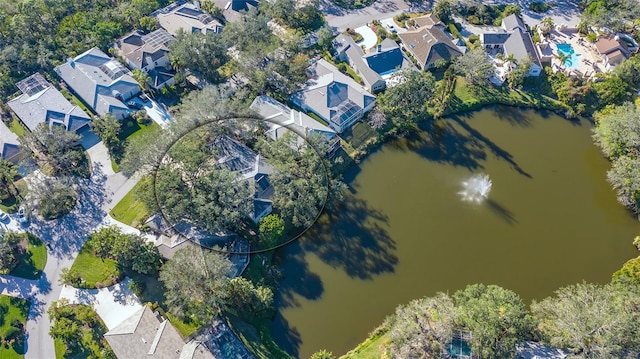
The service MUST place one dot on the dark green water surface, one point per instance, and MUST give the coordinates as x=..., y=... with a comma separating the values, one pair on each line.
x=551, y=220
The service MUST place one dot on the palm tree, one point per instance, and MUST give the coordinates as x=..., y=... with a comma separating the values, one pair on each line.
x=143, y=79
x=563, y=58
x=511, y=61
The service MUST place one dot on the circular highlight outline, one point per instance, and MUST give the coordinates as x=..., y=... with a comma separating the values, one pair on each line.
x=198, y=124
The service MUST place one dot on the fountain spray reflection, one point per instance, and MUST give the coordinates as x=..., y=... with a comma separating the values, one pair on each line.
x=476, y=188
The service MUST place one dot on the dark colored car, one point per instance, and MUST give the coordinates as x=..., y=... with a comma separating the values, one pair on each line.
x=133, y=104
x=143, y=97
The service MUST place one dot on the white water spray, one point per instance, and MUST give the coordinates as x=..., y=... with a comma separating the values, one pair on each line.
x=476, y=188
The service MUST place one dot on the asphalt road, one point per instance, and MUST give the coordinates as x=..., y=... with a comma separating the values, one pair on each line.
x=341, y=19
x=64, y=238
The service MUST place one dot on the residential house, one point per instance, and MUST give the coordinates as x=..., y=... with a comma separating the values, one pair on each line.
x=100, y=81
x=186, y=16
x=513, y=22
x=148, y=53
x=280, y=119
x=333, y=96
x=145, y=334
x=426, y=20
x=535, y=350
x=237, y=157
x=347, y=50
x=612, y=49
x=520, y=45
x=170, y=238
x=9, y=144
x=428, y=43
x=373, y=67
x=40, y=102
x=514, y=41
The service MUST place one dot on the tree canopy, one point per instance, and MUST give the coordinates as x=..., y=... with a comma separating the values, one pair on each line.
x=36, y=35
x=617, y=133
x=195, y=279
x=407, y=103
x=475, y=67
x=594, y=321
x=57, y=151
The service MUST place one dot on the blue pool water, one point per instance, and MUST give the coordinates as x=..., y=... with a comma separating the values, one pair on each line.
x=573, y=61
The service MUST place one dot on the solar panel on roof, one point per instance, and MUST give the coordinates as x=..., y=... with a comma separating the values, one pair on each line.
x=33, y=84
x=157, y=38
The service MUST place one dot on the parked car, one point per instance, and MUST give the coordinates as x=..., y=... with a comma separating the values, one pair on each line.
x=22, y=215
x=391, y=28
x=135, y=105
x=3, y=216
x=143, y=97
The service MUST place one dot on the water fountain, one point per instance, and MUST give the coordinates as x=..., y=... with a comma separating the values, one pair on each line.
x=476, y=188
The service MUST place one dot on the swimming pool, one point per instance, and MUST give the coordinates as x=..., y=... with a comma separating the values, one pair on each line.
x=572, y=61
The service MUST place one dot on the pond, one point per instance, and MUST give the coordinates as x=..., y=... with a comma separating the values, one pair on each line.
x=550, y=219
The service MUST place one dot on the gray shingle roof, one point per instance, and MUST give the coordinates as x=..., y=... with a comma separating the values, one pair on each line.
x=9, y=143
x=143, y=335
x=355, y=54
x=429, y=45
x=520, y=45
x=333, y=95
x=512, y=21
x=187, y=17
x=139, y=48
x=41, y=102
x=99, y=80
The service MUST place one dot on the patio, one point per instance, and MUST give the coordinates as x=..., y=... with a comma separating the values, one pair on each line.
x=589, y=61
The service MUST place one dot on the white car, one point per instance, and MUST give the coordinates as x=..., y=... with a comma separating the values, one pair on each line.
x=22, y=215
x=391, y=28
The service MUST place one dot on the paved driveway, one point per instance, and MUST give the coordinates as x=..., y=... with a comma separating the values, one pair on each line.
x=114, y=304
x=369, y=38
x=341, y=19
x=100, y=157
x=64, y=238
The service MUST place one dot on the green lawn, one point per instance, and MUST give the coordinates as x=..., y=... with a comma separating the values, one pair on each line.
x=466, y=98
x=257, y=340
x=11, y=204
x=93, y=269
x=131, y=129
x=17, y=309
x=372, y=348
x=17, y=128
x=33, y=261
x=183, y=327
x=130, y=210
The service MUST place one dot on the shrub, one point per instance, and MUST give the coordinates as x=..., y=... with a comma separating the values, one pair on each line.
x=137, y=286
x=592, y=37
x=539, y=6
x=12, y=333
x=474, y=38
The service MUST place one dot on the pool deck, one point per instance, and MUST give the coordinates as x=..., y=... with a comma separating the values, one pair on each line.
x=589, y=61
